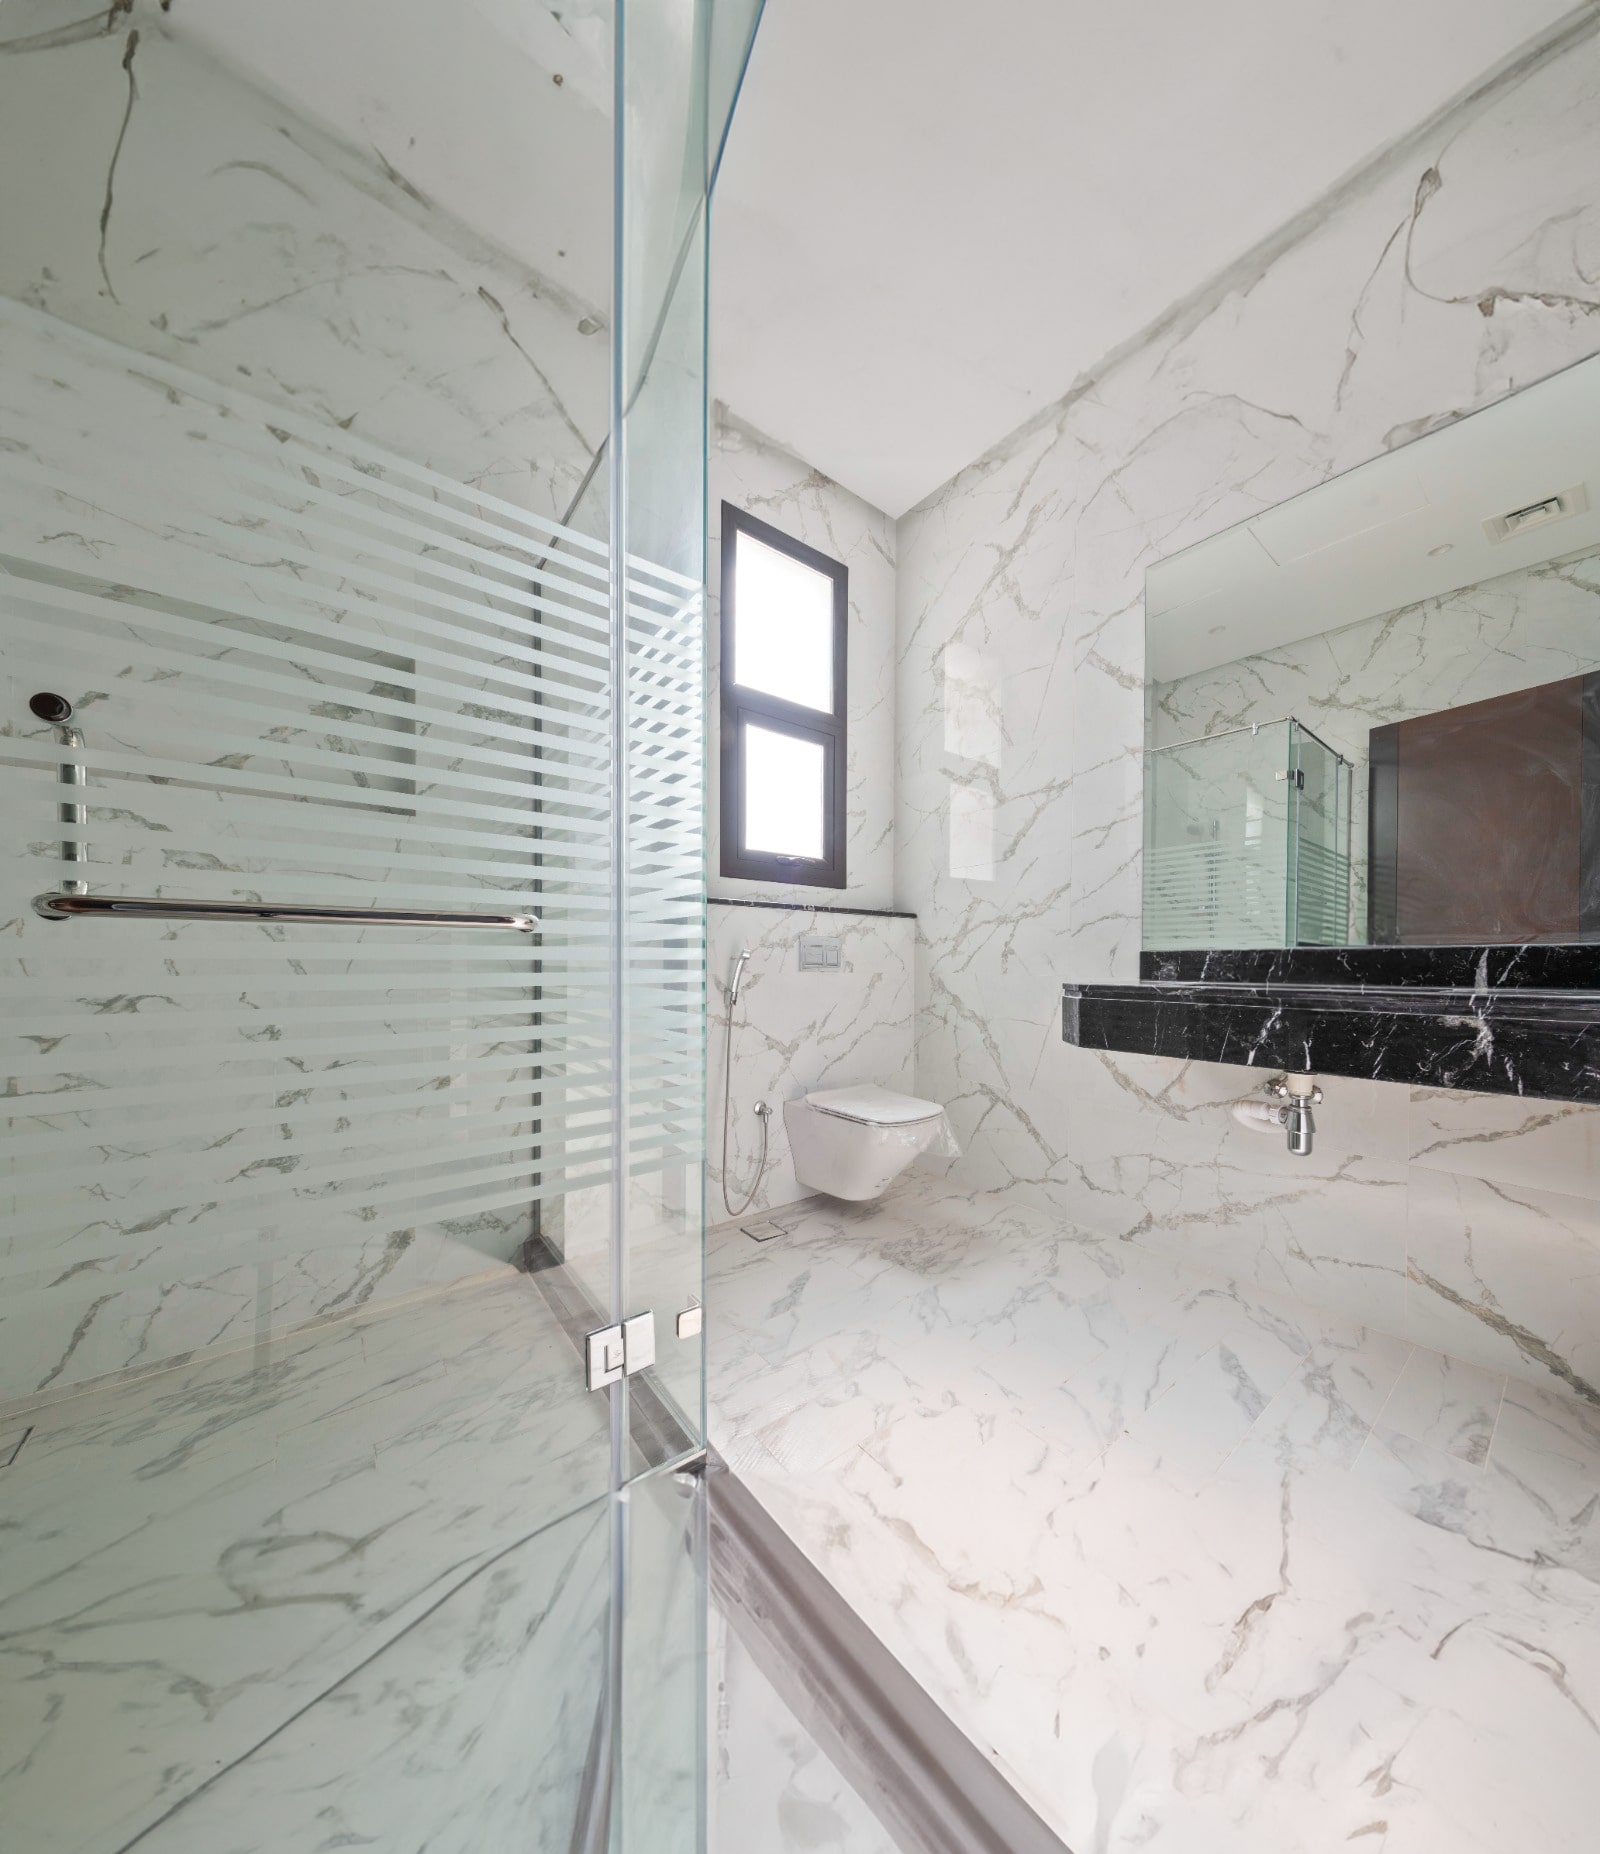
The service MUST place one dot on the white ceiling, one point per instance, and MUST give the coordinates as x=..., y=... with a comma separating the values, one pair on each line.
x=1410, y=525
x=934, y=215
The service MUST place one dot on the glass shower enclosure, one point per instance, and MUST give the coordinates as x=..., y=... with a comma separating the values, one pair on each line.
x=352, y=425
x=1247, y=840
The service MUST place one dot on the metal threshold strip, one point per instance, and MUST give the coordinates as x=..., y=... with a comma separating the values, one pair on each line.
x=928, y=1784
x=65, y=906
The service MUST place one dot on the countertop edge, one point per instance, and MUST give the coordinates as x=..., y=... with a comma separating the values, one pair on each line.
x=1543, y=1044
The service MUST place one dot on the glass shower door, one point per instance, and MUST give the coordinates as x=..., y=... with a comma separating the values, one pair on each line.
x=1247, y=840
x=316, y=1533
x=1216, y=844
x=1319, y=869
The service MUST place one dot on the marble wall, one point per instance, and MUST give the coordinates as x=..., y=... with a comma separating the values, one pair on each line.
x=1456, y=270
x=796, y=1031
x=250, y=288
x=757, y=477
x=221, y=230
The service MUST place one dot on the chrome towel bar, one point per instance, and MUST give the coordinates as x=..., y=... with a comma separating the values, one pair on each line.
x=73, y=897
x=65, y=906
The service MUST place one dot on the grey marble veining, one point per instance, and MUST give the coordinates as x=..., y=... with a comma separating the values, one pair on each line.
x=193, y=282
x=199, y=1560
x=1453, y=272
x=1517, y=1041
x=473, y=1728
x=151, y=1218
x=797, y=1031
x=224, y=233
x=1206, y=1567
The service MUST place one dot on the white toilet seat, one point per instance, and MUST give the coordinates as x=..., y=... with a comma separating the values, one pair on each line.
x=853, y=1143
x=872, y=1106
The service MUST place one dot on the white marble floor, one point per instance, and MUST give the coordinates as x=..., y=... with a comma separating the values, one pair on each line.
x=1202, y=1570
x=330, y=1592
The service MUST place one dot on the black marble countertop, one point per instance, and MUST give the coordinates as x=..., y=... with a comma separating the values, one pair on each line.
x=1499, y=1020
x=1449, y=968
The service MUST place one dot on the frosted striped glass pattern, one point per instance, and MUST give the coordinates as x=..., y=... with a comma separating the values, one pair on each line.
x=1322, y=896
x=1247, y=841
x=1216, y=856
x=309, y=671
x=1320, y=842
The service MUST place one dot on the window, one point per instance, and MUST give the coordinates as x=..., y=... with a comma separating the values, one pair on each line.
x=783, y=706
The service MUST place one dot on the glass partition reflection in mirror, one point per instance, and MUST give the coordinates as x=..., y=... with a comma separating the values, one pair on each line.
x=1373, y=713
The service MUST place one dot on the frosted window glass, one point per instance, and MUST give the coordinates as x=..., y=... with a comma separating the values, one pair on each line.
x=783, y=794
x=782, y=626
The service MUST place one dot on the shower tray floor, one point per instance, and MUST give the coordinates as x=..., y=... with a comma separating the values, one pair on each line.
x=1201, y=1568
x=262, y=1600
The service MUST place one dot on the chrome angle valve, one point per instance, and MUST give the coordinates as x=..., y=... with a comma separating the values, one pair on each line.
x=1299, y=1094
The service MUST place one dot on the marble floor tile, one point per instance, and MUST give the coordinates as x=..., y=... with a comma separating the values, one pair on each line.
x=841, y=1409
x=196, y=1557
x=1448, y=1404
x=1329, y=1405
x=1506, y=1275
x=1213, y=1406
x=439, y=1724
x=1203, y=1568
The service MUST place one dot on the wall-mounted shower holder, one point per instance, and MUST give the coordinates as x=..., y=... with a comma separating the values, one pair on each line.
x=72, y=899
x=57, y=710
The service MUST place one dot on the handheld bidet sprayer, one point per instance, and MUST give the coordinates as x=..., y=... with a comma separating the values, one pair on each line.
x=735, y=986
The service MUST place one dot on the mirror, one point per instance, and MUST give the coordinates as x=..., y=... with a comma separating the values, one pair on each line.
x=1372, y=714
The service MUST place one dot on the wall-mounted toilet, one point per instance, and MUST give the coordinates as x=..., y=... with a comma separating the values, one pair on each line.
x=854, y=1142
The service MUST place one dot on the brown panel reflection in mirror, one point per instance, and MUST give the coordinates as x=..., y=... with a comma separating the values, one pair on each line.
x=1483, y=821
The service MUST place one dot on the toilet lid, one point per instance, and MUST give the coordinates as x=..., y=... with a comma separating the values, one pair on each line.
x=873, y=1106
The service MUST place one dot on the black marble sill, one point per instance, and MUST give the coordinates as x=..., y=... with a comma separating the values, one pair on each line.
x=807, y=907
x=1515, y=1039
x=1456, y=968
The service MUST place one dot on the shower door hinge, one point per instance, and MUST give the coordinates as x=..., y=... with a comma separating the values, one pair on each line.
x=619, y=1351
x=1296, y=778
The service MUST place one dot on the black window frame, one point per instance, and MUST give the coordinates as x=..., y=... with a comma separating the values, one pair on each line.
x=739, y=707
